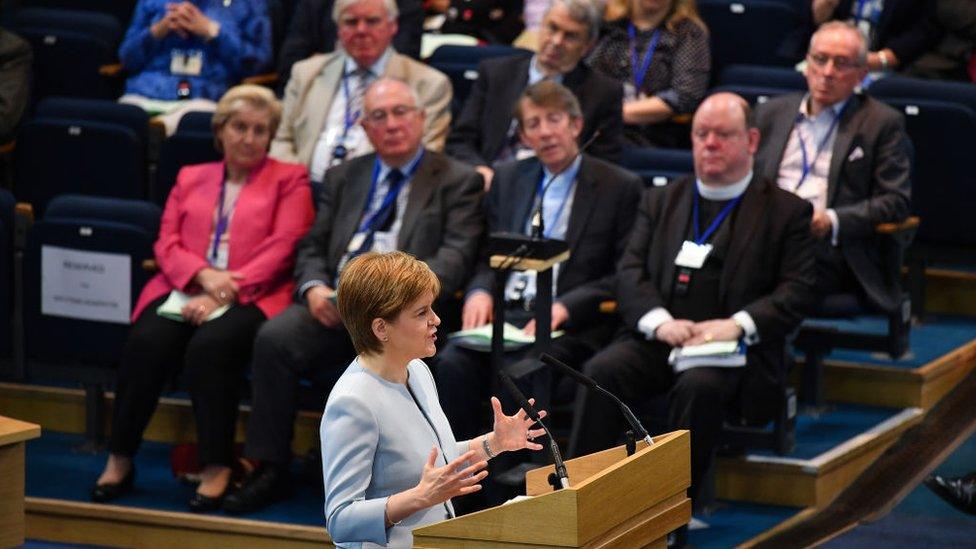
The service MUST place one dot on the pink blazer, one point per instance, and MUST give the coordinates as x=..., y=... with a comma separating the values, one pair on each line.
x=273, y=211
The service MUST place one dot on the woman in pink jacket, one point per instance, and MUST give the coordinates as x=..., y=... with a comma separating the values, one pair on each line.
x=225, y=254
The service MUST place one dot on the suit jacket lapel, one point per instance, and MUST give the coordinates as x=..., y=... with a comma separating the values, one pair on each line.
x=422, y=185
x=780, y=135
x=584, y=200
x=523, y=195
x=320, y=95
x=845, y=136
x=747, y=220
x=356, y=188
x=677, y=215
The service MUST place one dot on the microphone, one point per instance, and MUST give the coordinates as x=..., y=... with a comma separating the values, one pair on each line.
x=584, y=380
x=561, y=478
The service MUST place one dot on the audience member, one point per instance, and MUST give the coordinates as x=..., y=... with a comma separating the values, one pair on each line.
x=182, y=56
x=404, y=197
x=723, y=256
x=954, y=56
x=896, y=31
x=589, y=203
x=15, y=70
x=659, y=50
x=324, y=97
x=847, y=154
x=226, y=243
x=312, y=30
x=485, y=132
x=390, y=461
x=494, y=21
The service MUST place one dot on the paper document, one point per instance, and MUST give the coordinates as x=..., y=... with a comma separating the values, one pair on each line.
x=172, y=308
x=479, y=339
x=727, y=354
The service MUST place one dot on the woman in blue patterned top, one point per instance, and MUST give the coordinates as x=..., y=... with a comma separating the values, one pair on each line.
x=183, y=56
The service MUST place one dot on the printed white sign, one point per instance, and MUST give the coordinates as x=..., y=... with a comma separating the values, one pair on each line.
x=85, y=285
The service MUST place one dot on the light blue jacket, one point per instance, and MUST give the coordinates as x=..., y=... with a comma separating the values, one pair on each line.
x=375, y=441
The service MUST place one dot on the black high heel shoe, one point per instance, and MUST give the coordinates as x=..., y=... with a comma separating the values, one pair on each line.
x=200, y=503
x=103, y=493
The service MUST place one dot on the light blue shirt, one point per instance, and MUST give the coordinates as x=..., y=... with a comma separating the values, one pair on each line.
x=375, y=442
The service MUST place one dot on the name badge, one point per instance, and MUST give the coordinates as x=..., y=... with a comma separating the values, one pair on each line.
x=692, y=256
x=188, y=63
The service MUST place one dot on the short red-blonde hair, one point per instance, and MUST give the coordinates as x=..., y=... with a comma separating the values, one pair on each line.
x=380, y=285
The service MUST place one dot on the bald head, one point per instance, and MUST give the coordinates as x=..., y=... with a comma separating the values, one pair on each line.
x=723, y=139
x=393, y=122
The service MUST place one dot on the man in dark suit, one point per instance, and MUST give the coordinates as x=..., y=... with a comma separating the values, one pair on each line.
x=312, y=30
x=401, y=198
x=587, y=202
x=847, y=154
x=725, y=256
x=485, y=133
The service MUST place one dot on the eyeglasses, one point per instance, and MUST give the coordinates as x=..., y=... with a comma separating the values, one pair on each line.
x=379, y=117
x=820, y=60
x=353, y=22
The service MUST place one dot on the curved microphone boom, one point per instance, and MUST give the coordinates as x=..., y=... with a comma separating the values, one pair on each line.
x=587, y=381
x=562, y=477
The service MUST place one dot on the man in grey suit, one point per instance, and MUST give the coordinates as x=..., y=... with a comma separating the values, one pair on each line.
x=404, y=197
x=848, y=155
x=323, y=97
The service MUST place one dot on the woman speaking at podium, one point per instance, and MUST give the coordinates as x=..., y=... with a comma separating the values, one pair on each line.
x=390, y=461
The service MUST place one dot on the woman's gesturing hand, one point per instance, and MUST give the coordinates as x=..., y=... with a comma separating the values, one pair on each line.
x=514, y=432
x=439, y=484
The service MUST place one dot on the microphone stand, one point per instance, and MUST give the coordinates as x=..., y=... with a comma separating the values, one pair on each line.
x=582, y=379
x=560, y=478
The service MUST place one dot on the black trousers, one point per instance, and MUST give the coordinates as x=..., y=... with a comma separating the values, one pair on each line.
x=289, y=347
x=635, y=369
x=213, y=356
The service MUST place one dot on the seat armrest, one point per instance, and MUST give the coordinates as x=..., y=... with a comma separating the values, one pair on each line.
x=266, y=79
x=114, y=69
x=909, y=224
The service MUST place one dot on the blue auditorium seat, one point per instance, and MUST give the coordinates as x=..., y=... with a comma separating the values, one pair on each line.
x=69, y=49
x=903, y=87
x=460, y=64
x=58, y=156
x=96, y=110
x=181, y=149
x=120, y=9
x=760, y=32
x=657, y=167
x=61, y=345
x=195, y=121
x=758, y=83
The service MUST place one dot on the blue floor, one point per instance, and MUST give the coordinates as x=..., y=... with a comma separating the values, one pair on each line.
x=732, y=523
x=51, y=457
x=922, y=519
x=940, y=334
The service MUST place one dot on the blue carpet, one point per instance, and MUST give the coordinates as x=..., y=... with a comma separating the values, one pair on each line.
x=922, y=519
x=50, y=457
x=839, y=423
x=940, y=334
x=732, y=523
x=35, y=544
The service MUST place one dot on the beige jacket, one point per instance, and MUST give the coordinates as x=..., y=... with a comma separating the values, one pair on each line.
x=314, y=83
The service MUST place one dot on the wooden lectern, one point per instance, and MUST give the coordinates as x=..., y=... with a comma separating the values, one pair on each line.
x=613, y=501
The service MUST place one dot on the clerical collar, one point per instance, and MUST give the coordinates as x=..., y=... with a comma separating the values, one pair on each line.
x=723, y=192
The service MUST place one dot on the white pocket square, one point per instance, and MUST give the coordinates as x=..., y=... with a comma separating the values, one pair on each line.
x=858, y=152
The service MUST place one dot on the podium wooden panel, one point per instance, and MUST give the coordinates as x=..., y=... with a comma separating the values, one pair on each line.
x=13, y=433
x=613, y=501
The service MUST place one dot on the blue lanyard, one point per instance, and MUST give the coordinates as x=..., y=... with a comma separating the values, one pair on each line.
x=807, y=165
x=391, y=194
x=540, y=193
x=349, y=117
x=641, y=73
x=223, y=220
x=702, y=238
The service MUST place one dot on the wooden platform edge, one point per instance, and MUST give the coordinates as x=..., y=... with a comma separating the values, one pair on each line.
x=118, y=526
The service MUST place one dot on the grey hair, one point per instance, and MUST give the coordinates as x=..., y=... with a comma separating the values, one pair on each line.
x=862, y=45
x=392, y=12
x=584, y=12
